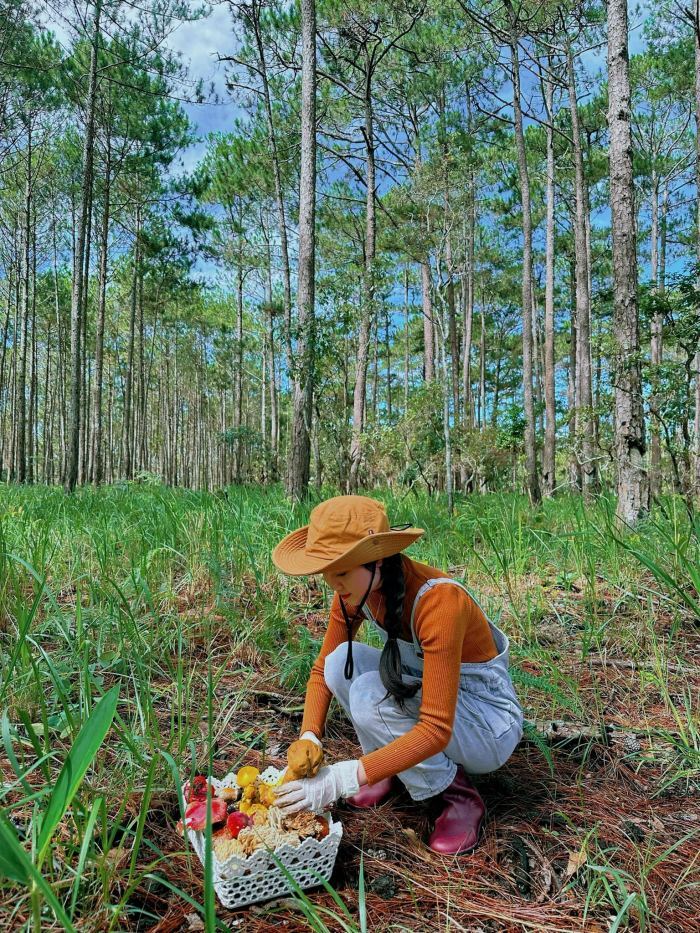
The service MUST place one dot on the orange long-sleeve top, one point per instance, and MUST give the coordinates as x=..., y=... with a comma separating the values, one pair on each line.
x=451, y=629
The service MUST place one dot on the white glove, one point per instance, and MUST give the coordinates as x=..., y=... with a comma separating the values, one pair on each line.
x=318, y=793
x=312, y=737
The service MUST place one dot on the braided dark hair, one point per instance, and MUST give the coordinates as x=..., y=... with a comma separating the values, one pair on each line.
x=393, y=589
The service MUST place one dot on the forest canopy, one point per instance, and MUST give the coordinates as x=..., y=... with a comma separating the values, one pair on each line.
x=463, y=331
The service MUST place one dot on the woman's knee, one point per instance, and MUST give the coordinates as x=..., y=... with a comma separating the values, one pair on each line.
x=334, y=669
x=365, y=660
x=366, y=694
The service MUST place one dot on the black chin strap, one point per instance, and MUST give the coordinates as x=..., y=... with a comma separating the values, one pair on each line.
x=349, y=666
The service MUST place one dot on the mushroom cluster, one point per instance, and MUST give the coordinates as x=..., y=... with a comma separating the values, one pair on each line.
x=244, y=816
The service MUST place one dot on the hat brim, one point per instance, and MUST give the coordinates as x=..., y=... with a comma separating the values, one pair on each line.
x=289, y=555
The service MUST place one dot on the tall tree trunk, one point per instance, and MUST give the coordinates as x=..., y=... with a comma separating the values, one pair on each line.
x=696, y=25
x=97, y=459
x=468, y=304
x=574, y=467
x=497, y=382
x=33, y=394
x=428, y=325
x=549, y=479
x=387, y=345
x=238, y=381
x=5, y=393
x=274, y=422
x=128, y=420
x=254, y=14
x=48, y=411
x=375, y=373
x=84, y=364
x=481, y=419
x=532, y=480
x=368, y=310
x=662, y=236
x=656, y=343
x=584, y=394
x=407, y=349
x=21, y=369
x=446, y=391
x=632, y=480
x=77, y=309
x=303, y=389
x=450, y=290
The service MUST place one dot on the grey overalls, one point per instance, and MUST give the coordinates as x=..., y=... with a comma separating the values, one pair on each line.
x=488, y=720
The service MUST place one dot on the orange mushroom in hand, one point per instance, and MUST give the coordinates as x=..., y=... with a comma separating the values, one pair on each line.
x=304, y=758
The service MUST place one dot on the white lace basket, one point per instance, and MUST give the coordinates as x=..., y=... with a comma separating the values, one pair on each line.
x=241, y=881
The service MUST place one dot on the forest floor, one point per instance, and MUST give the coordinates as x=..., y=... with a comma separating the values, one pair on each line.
x=593, y=824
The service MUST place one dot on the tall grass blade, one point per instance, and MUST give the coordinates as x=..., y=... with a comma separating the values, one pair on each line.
x=16, y=865
x=77, y=762
x=97, y=808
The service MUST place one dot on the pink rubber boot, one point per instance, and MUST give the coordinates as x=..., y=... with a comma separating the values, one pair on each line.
x=458, y=826
x=372, y=794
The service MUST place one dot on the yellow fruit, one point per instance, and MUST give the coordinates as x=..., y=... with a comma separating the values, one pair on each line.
x=267, y=795
x=245, y=806
x=247, y=776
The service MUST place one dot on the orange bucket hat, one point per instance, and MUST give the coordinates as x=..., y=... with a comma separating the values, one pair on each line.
x=343, y=532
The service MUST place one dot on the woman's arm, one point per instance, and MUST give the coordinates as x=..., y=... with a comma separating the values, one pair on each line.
x=318, y=696
x=440, y=626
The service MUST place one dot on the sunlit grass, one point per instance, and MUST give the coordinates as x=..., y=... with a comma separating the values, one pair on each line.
x=151, y=592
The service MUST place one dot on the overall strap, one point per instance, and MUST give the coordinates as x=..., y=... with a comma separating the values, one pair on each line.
x=429, y=584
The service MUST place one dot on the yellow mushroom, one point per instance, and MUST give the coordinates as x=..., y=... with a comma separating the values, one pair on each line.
x=247, y=776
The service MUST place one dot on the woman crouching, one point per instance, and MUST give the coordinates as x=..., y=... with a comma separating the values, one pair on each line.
x=436, y=704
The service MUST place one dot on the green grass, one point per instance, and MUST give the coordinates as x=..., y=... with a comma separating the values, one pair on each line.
x=148, y=593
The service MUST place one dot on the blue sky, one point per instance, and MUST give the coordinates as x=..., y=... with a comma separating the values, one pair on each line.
x=199, y=43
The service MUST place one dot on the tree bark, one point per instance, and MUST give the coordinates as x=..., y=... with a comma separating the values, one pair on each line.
x=272, y=382
x=5, y=393
x=532, y=480
x=549, y=479
x=303, y=390
x=387, y=344
x=696, y=426
x=656, y=343
x=584, y=394
x=238, y=380
x=481, y=418
x=407, y=352
x=21, y=369
x=632, y=480
x=358, y=408
x=450, y=290
x=428, y=336
x=254, y=14
x=77, y=309
x=32, y=418
x=468, y=303
x=85, y=363
x=97, y=460
x=127, y=457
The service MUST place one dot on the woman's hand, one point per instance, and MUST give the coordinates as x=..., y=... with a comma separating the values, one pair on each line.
x=318, y=793
x=304, y=758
